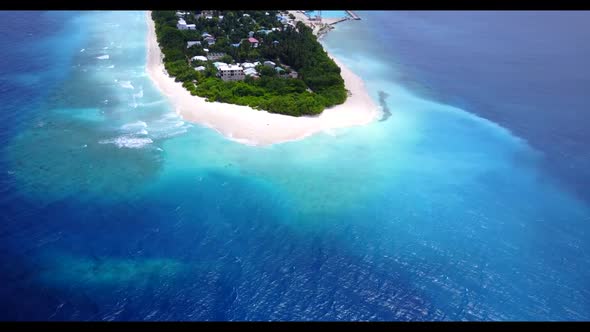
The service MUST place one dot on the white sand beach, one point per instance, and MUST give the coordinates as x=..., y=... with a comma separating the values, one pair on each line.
x=255, y=127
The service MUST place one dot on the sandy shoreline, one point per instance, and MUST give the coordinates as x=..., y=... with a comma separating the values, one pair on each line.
x=254, y=127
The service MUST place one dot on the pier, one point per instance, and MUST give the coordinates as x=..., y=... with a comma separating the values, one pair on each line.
x=353, y=15
x=330, y=22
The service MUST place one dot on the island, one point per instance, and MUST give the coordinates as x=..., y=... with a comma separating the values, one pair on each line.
x=258, y=77
x=260, y=59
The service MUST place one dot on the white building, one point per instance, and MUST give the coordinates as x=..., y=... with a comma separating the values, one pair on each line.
x=192, y=42
x=200, y=68
x=231, y=73
x=250, y=72
x=181, y=25
x=199, y=58
x=210, y=40
x=247, y=65
x=270, y=64
x=215, y=56
x=219, y=64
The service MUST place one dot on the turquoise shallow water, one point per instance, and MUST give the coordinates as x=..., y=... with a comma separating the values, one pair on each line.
x=116, y=209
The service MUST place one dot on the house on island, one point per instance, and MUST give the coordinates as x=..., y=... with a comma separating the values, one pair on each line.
x=282, y=19
x=199, y=58
x=180, y=14
x=207, y=13
x=279, y=70
x=250, y=72
x=200, y=68
x=253, y=42
x=247, y=65
x=192, y=43
x=181, y=25
x=209, y=40
x=215, y=56
x=231, y=73
x=270, y=64
x=218, y=64
x=236, y=44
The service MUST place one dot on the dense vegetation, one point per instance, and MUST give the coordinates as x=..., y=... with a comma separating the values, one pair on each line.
x=319, y=84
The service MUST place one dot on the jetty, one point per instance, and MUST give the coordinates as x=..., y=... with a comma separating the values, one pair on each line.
x=350, y=15
x=337, y=20
x=353, y=15
x=321, y=26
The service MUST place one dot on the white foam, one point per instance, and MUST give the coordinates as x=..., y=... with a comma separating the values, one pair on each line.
x=157, y=102
x=241, y=140
x=128, y=142
x=171, y=116
x=103, y=57
x=134, y=125
x=168, y=134
x=126, y=85
x=139, y=94
x=82, y=50
x=105, y=48
x=111, y=66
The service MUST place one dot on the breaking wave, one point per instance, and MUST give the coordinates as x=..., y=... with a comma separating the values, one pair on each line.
x=128, y=142
x=134, y=126
x=126, y=85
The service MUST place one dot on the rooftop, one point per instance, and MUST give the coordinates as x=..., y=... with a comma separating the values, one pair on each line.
x=229, y=67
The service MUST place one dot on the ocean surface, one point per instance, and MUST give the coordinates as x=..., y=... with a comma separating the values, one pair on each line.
x=470, y=201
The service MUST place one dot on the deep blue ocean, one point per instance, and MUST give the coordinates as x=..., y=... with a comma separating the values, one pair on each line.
x=471, y=201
